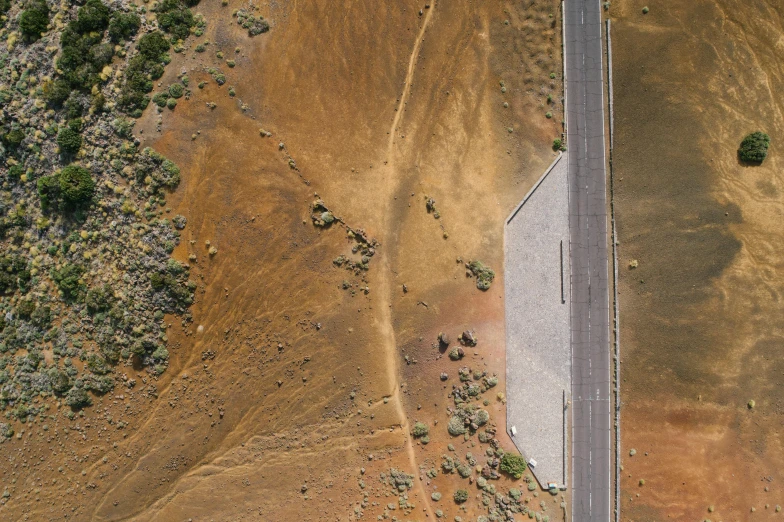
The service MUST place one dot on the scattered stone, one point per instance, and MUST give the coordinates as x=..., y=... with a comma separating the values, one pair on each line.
x=468, y=338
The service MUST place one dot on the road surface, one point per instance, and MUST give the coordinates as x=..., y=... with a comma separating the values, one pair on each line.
x=590, y=311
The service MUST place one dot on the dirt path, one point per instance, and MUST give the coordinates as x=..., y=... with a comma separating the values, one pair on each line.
x=384, y=282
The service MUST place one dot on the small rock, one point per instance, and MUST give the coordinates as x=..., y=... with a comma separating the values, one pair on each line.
x=468, y=338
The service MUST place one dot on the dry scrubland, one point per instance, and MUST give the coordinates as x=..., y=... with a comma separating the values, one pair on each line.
x=702, y=333
x=294, y=390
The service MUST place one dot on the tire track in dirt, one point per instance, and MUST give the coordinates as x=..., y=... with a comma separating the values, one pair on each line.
x=384, y=285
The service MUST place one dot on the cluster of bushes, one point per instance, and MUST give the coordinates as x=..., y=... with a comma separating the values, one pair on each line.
x=73, y=186
x=123, y=26
x=126, y=316
x=168, y=282
x=157, y=172
x=254, y=24
x=69, y=281
x=13, y=274
x=143, y=68
x=176, y=19
x=83, y=54
x=484, y=274
x=11, y=136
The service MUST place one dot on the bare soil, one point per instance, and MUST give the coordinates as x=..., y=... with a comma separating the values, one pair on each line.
x=701, y=329
x=288, y=393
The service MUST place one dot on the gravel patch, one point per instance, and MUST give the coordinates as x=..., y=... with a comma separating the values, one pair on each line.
x=538, y=352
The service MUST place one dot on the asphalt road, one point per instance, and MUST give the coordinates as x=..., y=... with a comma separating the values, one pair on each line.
x=590, y=311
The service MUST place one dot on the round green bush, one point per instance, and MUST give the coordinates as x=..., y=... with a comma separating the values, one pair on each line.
x=92, y=16
x=176, y=90
x=34, y=20
x=420, y=429
x=513, y=465
x=461, y=496
x=153, y=46
x=69, y=140
x=76, y=185
x=77, y=398
x=754, y=147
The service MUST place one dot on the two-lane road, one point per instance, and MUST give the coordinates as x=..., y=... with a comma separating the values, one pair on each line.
x=590, y=312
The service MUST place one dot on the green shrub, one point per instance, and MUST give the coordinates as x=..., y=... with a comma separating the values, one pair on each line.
x=123, y=127
x=13, y=137
x=42, y=316
x=76, y=185
x=513, y=465
x=55, y=93
x=558, y=144
x=97, y=364
x=13, y=273
x=15, y=171
x=461, y=496
x=257, y=26
x=160, y=99
x=153, y=46
x=48, y=190
x=69, y=140
x=34, y=19
x=484, y=274
x=754, y=147
x=123, y=25
x=99, y=299
x=93, y=16
x=77, y=398
x=175, y=19
x=25, y=308
x=420, y=430
x=176, y=90
x=68, y=280
x=59, y=381
x=171, y=103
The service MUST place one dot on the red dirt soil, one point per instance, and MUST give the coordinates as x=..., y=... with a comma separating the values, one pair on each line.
x=286, y=386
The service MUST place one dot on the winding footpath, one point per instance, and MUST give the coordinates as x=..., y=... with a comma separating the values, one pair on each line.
x=385, y=284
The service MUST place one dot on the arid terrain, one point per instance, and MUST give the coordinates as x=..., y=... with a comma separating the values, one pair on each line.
x=294, y=392
x=701, y=315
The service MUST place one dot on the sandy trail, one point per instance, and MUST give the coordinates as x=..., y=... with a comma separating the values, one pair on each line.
x=384, y=282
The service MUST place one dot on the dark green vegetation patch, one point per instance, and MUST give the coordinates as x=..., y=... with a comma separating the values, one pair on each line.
x=754, y=147
x=85, y=269
x=34, y=19
x=513, y=465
